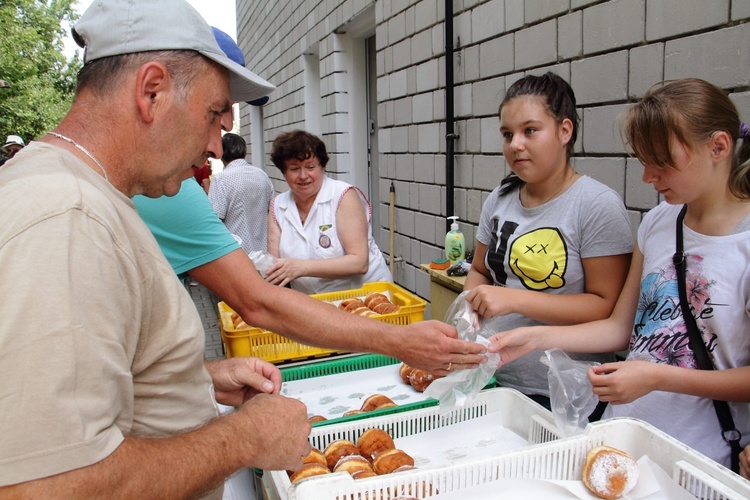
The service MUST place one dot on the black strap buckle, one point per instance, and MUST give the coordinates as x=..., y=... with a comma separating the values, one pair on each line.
x=731, y=435
x=678, y=258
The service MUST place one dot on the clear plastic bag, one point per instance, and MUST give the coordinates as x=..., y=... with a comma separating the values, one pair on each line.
x=262, y=260
x=459, y=388
x=571, y=396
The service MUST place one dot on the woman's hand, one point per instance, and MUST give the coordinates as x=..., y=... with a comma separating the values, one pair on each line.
x=284, y=271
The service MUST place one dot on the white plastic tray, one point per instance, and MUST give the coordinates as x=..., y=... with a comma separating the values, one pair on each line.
x=545, y=460
x=517, y=422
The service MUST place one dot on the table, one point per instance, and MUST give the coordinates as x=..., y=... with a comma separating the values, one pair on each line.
x=443, y=290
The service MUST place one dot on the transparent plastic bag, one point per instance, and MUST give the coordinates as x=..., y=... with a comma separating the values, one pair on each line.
x=262, y=260
x=460, y=387
x=571, y=396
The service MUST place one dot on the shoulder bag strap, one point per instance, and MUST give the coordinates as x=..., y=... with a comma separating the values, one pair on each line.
x=730, y=434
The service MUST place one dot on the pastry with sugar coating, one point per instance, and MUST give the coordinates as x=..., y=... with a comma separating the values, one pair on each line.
x=609, y=473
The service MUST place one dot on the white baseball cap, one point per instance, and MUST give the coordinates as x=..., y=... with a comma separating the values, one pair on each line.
x=115, y=27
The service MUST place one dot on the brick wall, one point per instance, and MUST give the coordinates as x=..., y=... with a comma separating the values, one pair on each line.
x=610, y=51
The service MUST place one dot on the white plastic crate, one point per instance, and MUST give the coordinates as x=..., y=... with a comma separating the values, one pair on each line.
x=512, y=410
x=560, y=460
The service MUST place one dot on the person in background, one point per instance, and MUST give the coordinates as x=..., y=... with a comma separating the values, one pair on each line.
x=696, y=153
x=202, y=175
x=553, y=246
x=199, y=246
x=13, y=144
x=122, y=402
x=319, y=230
x=241, y=195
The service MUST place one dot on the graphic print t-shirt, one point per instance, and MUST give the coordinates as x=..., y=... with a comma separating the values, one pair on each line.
x=718, y=288
x=541, y=249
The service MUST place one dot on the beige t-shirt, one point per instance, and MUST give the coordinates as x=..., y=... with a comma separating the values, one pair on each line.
x=98, y=338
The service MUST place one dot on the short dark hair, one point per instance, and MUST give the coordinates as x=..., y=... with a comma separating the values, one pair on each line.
x=234, y=147
x=297, y=145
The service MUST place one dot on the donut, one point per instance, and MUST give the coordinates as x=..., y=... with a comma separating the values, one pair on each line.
x=374, y=441
x=316, y=418
x=352, y=464
x=385, y=308
x=362, y=474
x=420, y=379
x=374, y=298
x=375, y=401
x=353, y=304
x=609, y=473
x=387, y=461
x=309, y=470
x=363, y=311
x=352, y=412
x=404, y=372
x=403, y=468
x=315, y=457
x=337, y=449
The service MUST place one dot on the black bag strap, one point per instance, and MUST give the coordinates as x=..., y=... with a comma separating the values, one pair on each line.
x=730, y=434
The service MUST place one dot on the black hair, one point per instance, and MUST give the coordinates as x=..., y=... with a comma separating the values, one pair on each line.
x=234, y=147
x=560, y=100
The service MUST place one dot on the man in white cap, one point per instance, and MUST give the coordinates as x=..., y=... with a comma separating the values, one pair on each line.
x=13, y=144
x=101, y=349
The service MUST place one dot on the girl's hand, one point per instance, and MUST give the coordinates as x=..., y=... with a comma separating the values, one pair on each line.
x=513, y=344
x=623, y=382
x=745, y=462
x=489, y=300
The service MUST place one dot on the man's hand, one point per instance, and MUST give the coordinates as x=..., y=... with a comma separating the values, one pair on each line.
x=276, y=429
x=236, y=380
x=434, y=346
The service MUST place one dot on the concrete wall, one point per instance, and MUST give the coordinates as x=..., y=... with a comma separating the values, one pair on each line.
x=610, y=51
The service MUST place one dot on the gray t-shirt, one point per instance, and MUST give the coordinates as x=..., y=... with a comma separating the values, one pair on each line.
x=541, y=249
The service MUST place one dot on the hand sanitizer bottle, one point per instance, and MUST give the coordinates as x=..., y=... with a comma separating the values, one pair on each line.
x=455, y=245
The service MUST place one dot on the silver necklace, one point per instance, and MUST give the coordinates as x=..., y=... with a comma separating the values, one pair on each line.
x=83, y=150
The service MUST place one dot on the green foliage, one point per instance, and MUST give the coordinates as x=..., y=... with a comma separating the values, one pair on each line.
x=32, y=61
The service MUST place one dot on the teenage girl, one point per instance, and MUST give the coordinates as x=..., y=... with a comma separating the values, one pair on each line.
x=553, y=246
x=695, y=152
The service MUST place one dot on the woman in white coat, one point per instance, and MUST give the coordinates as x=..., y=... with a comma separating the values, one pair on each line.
x=319, y=231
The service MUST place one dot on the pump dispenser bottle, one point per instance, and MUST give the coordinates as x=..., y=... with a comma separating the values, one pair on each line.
x=455, y=245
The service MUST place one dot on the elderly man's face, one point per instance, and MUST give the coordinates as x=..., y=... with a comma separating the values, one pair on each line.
x=13, y=149
x=190, y=132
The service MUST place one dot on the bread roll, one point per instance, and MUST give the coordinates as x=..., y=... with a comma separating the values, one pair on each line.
x=375, y=298
x=316, y=418
x=385, y=308
x=609, y=473
x=404, y=372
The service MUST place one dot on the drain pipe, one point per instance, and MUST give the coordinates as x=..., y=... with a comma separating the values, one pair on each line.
x=450, y=135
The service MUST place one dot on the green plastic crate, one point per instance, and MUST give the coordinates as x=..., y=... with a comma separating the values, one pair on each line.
x=352, y=364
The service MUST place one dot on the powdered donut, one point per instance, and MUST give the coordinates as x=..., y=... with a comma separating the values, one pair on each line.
x=609, y=473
